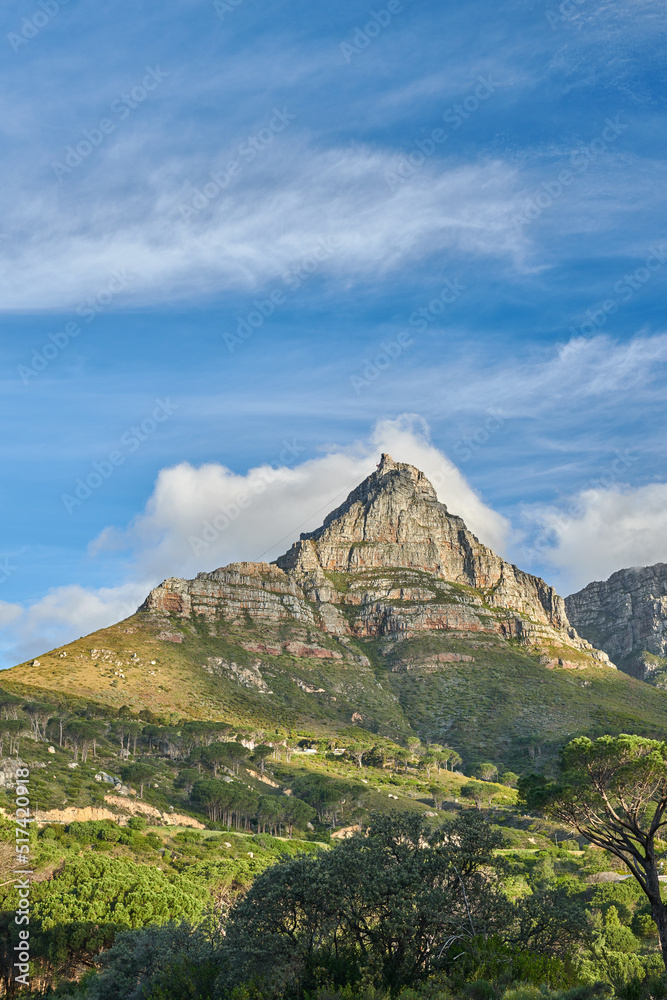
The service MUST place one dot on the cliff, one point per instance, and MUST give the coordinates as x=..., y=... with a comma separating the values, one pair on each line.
x=626, y=616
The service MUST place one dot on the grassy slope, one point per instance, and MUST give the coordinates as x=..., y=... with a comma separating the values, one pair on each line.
x=505, y=706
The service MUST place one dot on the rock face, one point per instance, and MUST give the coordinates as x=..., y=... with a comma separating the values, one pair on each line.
x=391, y=560
x=394, y=520
x=626, y=616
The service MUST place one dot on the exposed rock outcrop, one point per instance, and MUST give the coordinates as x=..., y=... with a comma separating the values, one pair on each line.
x=626, y=616
x=393, y=520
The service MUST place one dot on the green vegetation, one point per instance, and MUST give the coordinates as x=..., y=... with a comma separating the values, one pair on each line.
x=443, y=885
x=285, y=814
x=488, y=698
x=614, y=792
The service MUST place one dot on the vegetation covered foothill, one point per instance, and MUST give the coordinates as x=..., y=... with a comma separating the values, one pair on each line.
x=257, y=864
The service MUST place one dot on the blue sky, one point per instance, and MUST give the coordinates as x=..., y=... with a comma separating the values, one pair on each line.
x=222, y=215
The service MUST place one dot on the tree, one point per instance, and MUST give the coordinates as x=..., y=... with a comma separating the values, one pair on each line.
x=63, y=716
x=487, y=771
x=13, y=729
x=133, y=730
x=187, y=778
x=356, y=751
x=613, y=791
x=214, y=795
x=260, y=755
x=39, y=716
x=392, y=909
x=82, y=734
x=438, y=793
x=10, y=704
x=297, y=812
x=509, y=778
x=118, y=730
x=236, y=753
x=290, y=744
x=169, y=738
x=428, y=761
x=231, y=803
x=269, y=813
x=327, y=795
x=449, y=759
x=197, y=734
x=218, y=755
x=478, y=791
x=138, y=773
x=151, y=733
x=374, y=757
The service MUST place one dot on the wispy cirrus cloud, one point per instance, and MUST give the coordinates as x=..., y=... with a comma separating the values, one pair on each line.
x=268, y=218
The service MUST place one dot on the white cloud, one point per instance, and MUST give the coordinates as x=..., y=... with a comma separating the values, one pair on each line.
x=201, y=518
x=581, y=372
x=265, y=222
x=601, y=531
x=62, y=615
x=9, y=613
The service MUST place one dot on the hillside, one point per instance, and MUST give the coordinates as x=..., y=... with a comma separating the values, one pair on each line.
x=392, y=618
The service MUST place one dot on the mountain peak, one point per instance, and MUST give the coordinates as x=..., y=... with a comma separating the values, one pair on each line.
x=385, y=496
x=390, y=567
x=394, y=521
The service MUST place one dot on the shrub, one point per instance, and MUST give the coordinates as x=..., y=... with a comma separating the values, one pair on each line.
x=643, y=924
x=480, y=990
x=172, y=962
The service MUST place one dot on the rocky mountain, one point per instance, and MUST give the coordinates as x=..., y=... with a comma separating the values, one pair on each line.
x=390, y=561
x=392, y=618
x=626, y=616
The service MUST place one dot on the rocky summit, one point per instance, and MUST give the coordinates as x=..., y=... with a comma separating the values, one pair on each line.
x=392, y=617
x=390, y=561
x=626, y=616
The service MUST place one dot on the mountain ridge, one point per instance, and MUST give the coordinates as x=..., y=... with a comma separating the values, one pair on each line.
x=391, y=617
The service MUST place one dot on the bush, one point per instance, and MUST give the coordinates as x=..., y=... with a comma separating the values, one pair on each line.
x=643, y=924
x=526, y=991
x=92, y=898
x=137, y=823
x=480, y=990
x=172, y=962
x=188, y=837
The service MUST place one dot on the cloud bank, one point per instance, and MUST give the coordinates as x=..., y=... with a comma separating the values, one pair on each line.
x=182, y=232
